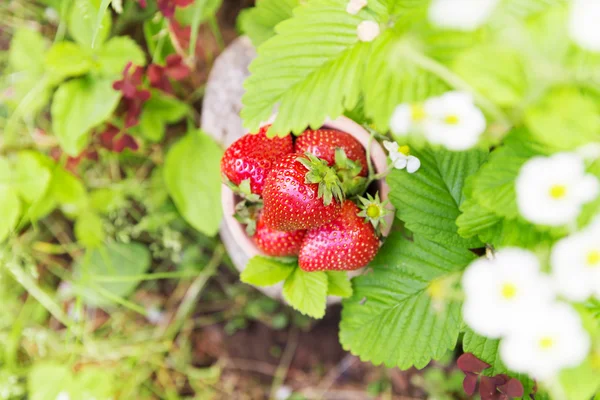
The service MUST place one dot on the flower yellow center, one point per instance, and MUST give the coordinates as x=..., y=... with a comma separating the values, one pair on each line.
x=373, y=211
x=404, y=150
x=417, y=112
x=451, y=119
x=593, y=258
x=546, y=343
x=508, y=291
x=557, y=192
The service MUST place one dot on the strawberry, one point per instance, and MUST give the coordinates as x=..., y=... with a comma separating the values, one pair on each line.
x=345, y=244
x=277, y=243
x=323, y=143
x=251, y=157
x=301, y=192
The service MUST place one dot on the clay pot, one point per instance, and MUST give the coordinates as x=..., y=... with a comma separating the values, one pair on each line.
x=241, y=248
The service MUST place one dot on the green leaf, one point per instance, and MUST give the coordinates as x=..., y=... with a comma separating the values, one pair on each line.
x=114, y=55
x=89, y=230
x=78, y=106
x=67, y=59
x=486, y=350
x=582, y=382
x=31, y=88
x=32, y=177
x=57, y=379
x=68, y=191
x=88, y=24
x=494, y=183
x=428, y=201
x=10, y=206
x=565, y=119
x=157, y=38
x=263, y=271
x=112, y=260
x=496, y=72
x=95, y=383
x=259, y=22
x=192, y=175
x=391, y=79
x=203, y=9
x=307, y=292
x=339, y=284
x=391, y=317
x=332, y=62
x=27, y=49
x=159, y=111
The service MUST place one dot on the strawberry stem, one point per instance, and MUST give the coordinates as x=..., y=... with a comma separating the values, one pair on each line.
x=330, y=186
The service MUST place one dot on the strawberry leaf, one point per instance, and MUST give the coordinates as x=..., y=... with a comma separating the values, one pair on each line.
x=263, y=271
x=487, y=350
x=307, y=292
x=428, y=201
x=392, y=318
x=332, y=63
x=259, y=22
x=339, y=284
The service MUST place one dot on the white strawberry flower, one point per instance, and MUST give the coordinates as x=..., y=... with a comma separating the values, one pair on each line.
x=502, y=293
x=453, y=121
x=367, y=31
x=553, y=339
x=576, y=264
x=583, y=24
x=401, y=158
x=406, y=118
x=462, y=15
x=354, y=6
x=552, y=190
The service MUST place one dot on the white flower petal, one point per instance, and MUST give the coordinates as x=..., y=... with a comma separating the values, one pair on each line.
x=553, y=339
x=583, y=24
x=552, y=190
x=464, y=15
x=401, y=121
x=509, y=287
x=367, y=31
x=468, y=122
x=354, y=6
x=573, y=276
x=413, y=164
x=401, y=162
x=390, y=146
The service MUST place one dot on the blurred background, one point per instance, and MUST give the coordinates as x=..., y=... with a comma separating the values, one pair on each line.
x=173, y=321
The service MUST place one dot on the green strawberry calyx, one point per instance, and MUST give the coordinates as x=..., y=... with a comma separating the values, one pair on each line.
x=330, y=186
x=348, y=172
x=243, y=189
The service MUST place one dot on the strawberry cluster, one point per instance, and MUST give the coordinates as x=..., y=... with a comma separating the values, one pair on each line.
x=300, y=197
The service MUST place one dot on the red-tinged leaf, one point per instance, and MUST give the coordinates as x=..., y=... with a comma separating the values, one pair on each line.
x=487, y=388
x=467, y=362
x=470, y=383
x=512, y=388
x=500, y=379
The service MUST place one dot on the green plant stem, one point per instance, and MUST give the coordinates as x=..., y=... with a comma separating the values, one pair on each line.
x=191, y=297
x=455, y=81
x=144, y=277
x=286, y=360
x=34, y=290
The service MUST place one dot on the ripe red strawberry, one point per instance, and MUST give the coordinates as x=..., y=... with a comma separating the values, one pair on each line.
x=323, y=142
x=290, y=203
x=345, y=244
x=252, y=157
x=277, y=243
